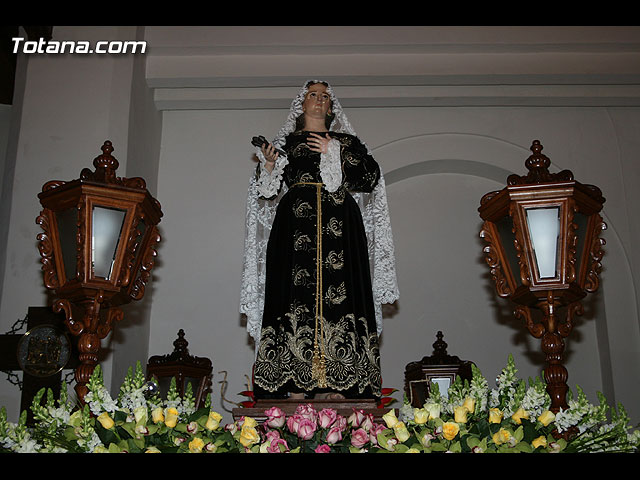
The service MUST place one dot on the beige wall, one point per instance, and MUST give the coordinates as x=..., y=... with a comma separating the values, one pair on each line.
x=448, y=113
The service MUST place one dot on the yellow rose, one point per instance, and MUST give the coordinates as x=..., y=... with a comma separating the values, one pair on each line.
x=541, y=441
x=196, y=445
x=213, y=422
x=470, y=404
x=141, y=415
x=433, y=409
x=249, y=436
x=249, y=422
x=105, y=420
x=171, y=417
x=157, y=415
x=401, y=432
x=546, y=417
x=420, y=416
x=501, y=436
x=519, y=415
x=495, y=415
x=390, y=418
x=450, y=430
x=460, y=414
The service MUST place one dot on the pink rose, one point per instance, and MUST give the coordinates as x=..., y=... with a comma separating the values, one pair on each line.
x=275, y=417
x=334, y=435
x=373, y=432
x=356, y=418
x=272, y=435
x=359, y=438
x=306, y=429
x=292, y=423
x=341, y=423
x=367, y=423
x=323, y=449
x=307, y=411
x=326, y=417
x=274, y=446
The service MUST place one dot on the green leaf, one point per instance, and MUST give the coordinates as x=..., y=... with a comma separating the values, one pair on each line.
x=134, y=446
x=119, y=416
x=70, y=434
x=438, y=447
x=401, y=448
x=519, y=433
x=473, y=442
x=113, y=448
x=106, y=436
x=126, y=430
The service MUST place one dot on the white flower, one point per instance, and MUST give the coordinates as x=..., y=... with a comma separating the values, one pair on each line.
x=100, y=401
x=61, y=415
x=93, y=442
x=406, y=413
x=27, y=445
x=535, y=401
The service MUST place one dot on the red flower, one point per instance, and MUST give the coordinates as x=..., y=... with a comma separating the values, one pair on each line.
x=248, y=403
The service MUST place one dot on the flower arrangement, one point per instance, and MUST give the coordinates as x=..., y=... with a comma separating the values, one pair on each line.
x=513, y=417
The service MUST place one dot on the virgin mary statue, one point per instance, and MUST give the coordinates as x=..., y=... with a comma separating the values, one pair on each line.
x=319, y=257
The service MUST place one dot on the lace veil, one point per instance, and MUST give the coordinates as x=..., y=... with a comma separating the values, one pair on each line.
x=266, y=189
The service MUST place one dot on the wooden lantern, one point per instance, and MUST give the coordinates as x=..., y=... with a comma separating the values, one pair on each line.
x=544, y=252
x=440, y=368
x=97, y=249
x=185, y=368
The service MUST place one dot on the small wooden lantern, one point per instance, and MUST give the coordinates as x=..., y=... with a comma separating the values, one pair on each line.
x=439, y=368
x=185, y=368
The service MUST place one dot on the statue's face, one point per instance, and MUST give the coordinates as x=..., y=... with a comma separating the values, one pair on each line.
x=317, y=102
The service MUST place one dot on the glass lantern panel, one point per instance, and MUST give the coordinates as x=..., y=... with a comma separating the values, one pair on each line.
x=195, y=384
x=544, y=228
x=581, y=221
x=141, y=230
x=507, y=239
x=164, y=384
x=67, y=221
x=107, y=226
x=443, y=385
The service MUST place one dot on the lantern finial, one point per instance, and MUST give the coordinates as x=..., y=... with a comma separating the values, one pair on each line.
x=106, y=164
x=538, y=162
x=538, y=165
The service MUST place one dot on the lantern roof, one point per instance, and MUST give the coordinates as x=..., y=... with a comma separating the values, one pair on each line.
x=540, y=184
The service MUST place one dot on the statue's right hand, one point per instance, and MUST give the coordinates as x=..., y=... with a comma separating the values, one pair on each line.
x=270, y=153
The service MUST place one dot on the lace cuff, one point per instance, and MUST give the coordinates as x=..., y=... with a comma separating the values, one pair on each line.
x=331, y=167
x=269, y=182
